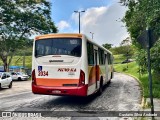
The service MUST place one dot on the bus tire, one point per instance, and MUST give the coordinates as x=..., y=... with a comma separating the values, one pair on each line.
x=100, y=88
x=110, y=78
x=111, y=75
x=109, y=81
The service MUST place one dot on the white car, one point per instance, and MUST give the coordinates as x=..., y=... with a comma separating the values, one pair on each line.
x=19, y=76
x=5, y=80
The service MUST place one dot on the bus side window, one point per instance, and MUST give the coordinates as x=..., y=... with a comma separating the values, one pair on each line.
x=109, y=59
x=105, y=58
x=90, y=53
x=101, y=56
x=112, y=59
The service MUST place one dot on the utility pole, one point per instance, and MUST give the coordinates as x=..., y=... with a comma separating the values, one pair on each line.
x=92, y=34
x=79, y=12
x=149, y=71
x=147, y=40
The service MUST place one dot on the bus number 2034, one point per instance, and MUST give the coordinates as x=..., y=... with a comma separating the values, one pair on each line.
x=42, y=73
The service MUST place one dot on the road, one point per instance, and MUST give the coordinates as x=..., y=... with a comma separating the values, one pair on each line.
x=122, y=94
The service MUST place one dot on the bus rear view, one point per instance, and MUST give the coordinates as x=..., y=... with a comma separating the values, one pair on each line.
x=56, y=65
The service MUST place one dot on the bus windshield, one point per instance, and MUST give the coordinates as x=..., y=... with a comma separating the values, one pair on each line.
x=58, y=46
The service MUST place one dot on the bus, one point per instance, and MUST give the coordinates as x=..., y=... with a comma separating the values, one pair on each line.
x=69, y=64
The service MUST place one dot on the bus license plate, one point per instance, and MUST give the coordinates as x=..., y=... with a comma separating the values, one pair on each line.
x=56, y=91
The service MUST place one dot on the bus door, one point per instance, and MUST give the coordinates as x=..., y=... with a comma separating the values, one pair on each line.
x=96, y=66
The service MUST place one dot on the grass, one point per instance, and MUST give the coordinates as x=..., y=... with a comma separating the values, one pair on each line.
x=18, y=61
x=133, y=70
x=119, y=58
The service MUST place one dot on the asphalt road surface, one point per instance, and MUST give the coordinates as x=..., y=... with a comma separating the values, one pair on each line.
x=122, y=94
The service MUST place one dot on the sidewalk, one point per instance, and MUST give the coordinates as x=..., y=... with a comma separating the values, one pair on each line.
x=156, y=103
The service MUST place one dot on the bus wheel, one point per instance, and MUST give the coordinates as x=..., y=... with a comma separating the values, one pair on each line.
x=110, y=79
x=100, y=88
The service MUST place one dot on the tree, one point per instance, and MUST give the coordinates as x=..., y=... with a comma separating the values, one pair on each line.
x=21, y=19
x=142, y=14
x=127, y=48
x=107, y=46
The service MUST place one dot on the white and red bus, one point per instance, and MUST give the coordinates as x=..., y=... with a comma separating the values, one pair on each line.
x=69, y=64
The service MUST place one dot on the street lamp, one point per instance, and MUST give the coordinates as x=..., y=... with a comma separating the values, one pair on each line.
x=79, y=12
x=92, y=34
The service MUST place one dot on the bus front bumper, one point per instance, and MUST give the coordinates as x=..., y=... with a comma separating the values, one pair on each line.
x=60, y=91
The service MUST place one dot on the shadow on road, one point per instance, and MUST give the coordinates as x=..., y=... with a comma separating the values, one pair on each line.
x=3, y=89
x=19, y=80
x=62, y=103
x=75, y=100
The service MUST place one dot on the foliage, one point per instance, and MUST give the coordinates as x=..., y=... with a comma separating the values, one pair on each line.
x=155, y=57
x=118, y=58
x=125, y=48
x=27, y=52
x=21, y=19
x=141, y=57
x=140, y=15
x=118, y=50
x=107, y=46
x=128, y=51
x=122, y=50
x=141, y=60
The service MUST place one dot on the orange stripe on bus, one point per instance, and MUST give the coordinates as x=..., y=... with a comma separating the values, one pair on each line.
x=58, y=36
x=92, y=74
x=55, y=82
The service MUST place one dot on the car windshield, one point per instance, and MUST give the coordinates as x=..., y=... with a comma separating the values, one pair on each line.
x=58, y=46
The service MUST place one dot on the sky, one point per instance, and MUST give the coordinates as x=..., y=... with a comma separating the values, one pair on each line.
x=101, y=17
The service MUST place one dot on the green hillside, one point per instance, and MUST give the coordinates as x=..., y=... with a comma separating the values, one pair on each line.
x=133, y=70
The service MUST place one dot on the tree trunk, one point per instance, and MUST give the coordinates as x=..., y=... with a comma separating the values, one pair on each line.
x=6, y=67
x=5, y=64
